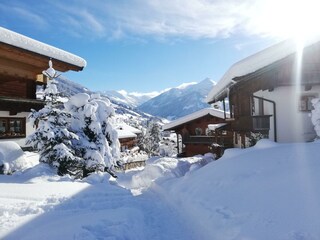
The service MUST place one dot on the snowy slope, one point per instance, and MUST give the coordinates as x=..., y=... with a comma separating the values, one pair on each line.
x=41, y=205
x=178, y=102
x=122, y=108
x=131, y=99
x=270, y=191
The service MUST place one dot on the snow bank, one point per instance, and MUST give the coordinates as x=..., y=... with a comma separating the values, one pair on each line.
x=267, y=192
x=64, y=209
x=12, y=157
x=161, y=169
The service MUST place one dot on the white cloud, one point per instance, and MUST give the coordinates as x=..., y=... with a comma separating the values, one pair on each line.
x=123, y=92
x=149, y=94
x=163, y=19
x=92, y=22
x=23, y=12
x=157, y=18
x=29, y=16
x=192, y=18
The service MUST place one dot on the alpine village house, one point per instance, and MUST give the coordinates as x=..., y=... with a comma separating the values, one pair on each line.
x=22, y=61
x=127, y=135
x=201, y=132
x=270, y=93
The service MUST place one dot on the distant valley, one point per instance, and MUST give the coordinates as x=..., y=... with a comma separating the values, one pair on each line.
x=170, y=104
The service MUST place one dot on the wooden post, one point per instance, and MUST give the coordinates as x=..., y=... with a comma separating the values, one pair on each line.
x=224, y=108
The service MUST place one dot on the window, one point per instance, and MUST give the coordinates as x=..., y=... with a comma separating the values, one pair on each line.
x=12, y=127
x=305, y=103
x=198, y=131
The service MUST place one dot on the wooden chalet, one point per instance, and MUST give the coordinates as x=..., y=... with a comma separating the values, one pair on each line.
x=22, y=61
x=201, y=132
x=270, y=93
x=128, y=136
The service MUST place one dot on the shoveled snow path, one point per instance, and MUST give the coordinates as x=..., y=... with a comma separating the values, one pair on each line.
x=36, y=209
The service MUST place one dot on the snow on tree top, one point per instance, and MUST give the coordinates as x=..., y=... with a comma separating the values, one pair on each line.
x=79, y=99
x=256, y=62
x=21, y=41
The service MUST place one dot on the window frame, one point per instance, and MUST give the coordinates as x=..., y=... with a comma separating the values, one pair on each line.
x=198, y=131
x=305, y=104
x=8, y=133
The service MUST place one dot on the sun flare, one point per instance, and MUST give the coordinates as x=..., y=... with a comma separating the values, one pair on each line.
x=289, y=19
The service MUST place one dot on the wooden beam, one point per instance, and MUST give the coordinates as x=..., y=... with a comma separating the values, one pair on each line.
x=35, y=59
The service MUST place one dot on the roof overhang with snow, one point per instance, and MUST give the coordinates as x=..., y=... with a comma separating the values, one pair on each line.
x=193, y=116
x=125, y=134
x=25, y=57
x=252, y=64
x=126, y=131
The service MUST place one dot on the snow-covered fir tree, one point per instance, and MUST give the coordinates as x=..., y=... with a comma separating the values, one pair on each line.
x=315, y=115
x=52, y=137
x=152, y=139
x=97, y=142
x=75, y=137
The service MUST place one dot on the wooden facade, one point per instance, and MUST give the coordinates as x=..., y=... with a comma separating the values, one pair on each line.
x=20, y=73
x=128, y=143
x=247, y=113
x=127, y=135
x=22, y=63
x=198, y=139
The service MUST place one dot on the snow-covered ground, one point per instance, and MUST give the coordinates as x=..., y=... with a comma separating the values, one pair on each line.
x=270, y=191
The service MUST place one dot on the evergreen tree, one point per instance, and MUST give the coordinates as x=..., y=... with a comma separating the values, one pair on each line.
x=76, y=137
x=97, y=142
x=52, y=137
x=152, y=139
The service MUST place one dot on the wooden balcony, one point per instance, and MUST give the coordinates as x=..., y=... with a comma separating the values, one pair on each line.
x=15, y=105
x=259, y=123
x=223, y=140
x=202, y=139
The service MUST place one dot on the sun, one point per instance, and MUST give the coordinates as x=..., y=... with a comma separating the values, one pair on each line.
x=298, y=19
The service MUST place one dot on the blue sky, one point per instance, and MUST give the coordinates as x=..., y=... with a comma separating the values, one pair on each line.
x=150, y=45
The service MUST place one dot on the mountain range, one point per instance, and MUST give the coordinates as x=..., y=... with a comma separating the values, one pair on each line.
x=133, y=99
x=180, y=101
x=170, y=103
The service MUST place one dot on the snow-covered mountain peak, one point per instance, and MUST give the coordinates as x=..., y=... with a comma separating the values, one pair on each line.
x=179, y=101
x=185, y=85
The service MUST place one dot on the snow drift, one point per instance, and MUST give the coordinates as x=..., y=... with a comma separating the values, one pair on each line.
x=269, y=191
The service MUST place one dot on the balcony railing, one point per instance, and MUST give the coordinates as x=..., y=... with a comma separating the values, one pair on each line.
x=259, y=123
x=199, y=139
x=20, y=104
x=223, y=140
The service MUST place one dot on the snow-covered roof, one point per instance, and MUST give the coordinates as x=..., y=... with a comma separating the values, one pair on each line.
x=213, y=127
x=126, y=131
x=203, y=112
x=125, y=134
x=131, y=129
x=21, y=41
x=254, y=63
